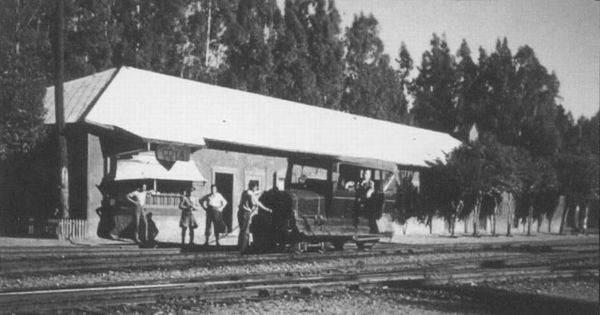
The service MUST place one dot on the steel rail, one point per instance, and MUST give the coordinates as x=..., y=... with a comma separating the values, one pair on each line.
x=104, y=296
x=492, y=260
x=10, y=266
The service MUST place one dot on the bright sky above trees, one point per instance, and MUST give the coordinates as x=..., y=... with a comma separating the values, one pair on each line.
x=564, y=34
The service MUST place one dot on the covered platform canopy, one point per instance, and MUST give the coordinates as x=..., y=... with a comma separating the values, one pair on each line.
x=166, y=108
x=145, y=166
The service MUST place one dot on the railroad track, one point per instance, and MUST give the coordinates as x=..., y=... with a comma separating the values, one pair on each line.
x=29, y=261
x=543, y=265
x=490, y=260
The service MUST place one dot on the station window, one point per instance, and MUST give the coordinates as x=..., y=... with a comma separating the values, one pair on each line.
x=301, y=173
x=349, y=175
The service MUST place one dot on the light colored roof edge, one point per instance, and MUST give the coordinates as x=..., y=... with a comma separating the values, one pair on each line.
x=73, y=89
x=313, y=107
x=300, y=106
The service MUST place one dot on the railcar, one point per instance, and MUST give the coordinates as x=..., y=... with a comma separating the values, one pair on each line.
x=316, y=207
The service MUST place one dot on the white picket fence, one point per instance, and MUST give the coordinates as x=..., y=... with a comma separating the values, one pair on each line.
x=71, y=229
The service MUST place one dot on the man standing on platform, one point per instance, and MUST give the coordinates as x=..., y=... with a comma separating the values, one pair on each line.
x=248, y=204
x=213, y=203
x=364, y=190
x=138, y=198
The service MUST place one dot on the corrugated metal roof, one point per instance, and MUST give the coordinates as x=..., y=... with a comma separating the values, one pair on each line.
x=78, y=96
x=162, y=107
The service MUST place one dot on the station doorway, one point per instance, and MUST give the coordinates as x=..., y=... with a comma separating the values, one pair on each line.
x=224, y=182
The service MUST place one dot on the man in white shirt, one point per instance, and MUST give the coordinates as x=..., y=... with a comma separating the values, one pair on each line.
x=213, y=203
x=138, y=198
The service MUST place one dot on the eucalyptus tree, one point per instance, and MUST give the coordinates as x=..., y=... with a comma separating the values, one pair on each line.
x=22, y=76
x=325, y=50
x=435, y=98
x=250, y=39
x=468, y=91
x=577, y=166
x=405, y=66
x=371, y=87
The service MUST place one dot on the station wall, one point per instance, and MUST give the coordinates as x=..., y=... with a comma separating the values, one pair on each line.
x=242, y=167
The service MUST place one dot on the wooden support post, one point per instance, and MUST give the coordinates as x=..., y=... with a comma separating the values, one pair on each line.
x=63, y=162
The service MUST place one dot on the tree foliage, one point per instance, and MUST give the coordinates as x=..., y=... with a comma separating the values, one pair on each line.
x=296, y=50
x=436, y=105
x=21, y=80
x=372, y=87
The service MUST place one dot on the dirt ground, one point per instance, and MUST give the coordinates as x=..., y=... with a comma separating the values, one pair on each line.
x=558, y=296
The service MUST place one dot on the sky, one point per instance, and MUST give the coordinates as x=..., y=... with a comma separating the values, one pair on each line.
x=564, y=34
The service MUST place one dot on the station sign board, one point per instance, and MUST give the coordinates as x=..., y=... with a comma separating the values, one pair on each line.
x=167, y=154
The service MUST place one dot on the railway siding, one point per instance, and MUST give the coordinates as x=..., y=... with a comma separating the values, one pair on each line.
x=223, y=275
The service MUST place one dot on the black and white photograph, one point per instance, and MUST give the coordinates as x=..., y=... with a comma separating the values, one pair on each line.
x=299, y=157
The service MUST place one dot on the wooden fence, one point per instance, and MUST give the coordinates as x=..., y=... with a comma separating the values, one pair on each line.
x=169, y=200
x=71, y=229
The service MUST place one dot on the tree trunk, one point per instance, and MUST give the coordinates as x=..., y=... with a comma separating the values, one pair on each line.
x=576, y=219
x=457, y=210
x=563, y=220
x=529, y=219
x=451, y=221
x=461, y=206
x=550, y=223
x=494, y=216
x=430, y=222
x=509, y=215
x=586, y=214
x=476, y=215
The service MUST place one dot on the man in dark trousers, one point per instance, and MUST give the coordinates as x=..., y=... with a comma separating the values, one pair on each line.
x=364, y=190
x=187, y=220
x=138, y=198
x=249, y=203
x=213, y=203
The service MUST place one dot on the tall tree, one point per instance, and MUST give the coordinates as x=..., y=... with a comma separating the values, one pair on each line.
x=325, y=51
x=498, y=112
x=436, y=104
x=577, y=166
x=536, y=94
x=202, y=52
x=22, y=77
x=372, y=87
x=472, y=174
x=540, y=183
x=294, y=78
x=90, y=35
x=405, y=66
x=250, y=39
x=467, y=90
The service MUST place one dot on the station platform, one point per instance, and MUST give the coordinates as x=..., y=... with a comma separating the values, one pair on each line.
x=8, y=241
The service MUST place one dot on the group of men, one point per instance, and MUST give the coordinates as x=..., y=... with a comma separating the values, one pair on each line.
x=213, y=203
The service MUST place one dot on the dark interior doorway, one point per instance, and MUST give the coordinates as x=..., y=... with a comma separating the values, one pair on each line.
x=224, y=182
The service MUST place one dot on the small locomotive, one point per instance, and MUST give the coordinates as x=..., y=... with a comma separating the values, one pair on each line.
x=319, y=205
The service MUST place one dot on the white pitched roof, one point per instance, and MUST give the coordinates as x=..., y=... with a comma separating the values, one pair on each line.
x=78, y=94
x=162, y=107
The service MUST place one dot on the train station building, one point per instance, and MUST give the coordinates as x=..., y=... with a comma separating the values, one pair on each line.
x=127, y=127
